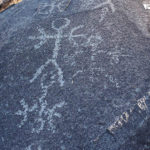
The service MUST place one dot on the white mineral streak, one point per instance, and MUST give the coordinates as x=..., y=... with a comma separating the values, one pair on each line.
x=121, y=120
x=146, y=6
x=142, y=103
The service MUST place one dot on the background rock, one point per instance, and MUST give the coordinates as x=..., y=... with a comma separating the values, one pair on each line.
x=74, y=75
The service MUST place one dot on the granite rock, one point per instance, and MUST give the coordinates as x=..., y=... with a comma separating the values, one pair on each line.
x=74, y=75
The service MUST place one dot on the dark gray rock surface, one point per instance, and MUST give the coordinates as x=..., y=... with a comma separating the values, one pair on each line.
x=74, y=75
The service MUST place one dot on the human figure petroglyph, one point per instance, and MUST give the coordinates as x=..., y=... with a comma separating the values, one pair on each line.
x=58, y=38
x=56, y=74
x=44, y=114
x=44, y=37
x=43, y=109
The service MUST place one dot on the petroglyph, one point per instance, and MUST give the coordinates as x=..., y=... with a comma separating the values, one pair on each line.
x=49, y=114
x=79, y=71
x=105, y=3
x=33, y=146
x=44, y=114
x=112, y=80
x=105, y=10
x=94, y=41
x=45, y=9
x=25, y=111
x=71, y=36
x=116, y=55
x=43, y=38
x=91, y=5
x=70, y=59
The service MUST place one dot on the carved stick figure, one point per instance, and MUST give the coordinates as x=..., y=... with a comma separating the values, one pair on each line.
x=58, y=25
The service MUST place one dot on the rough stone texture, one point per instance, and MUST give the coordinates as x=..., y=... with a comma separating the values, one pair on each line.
x=141, y=140
x=74, y=75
